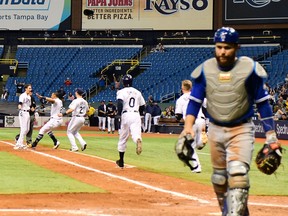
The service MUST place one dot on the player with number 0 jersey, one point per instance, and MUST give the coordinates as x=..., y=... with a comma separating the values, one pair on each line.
x=130, y=103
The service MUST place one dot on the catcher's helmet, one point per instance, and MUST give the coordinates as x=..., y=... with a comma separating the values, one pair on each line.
x=127, y=80
x=226, y=34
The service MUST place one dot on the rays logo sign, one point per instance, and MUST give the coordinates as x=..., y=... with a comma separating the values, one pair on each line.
x=255, y=12
x=167, y=7
x=256, y=3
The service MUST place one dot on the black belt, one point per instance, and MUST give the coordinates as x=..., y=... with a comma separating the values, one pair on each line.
x=232, y=124
x=130, y=111
x=78, y=116
x=26, y=110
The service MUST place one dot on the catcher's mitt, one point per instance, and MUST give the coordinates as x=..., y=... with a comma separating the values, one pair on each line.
x=268, y=158
x=185, y=151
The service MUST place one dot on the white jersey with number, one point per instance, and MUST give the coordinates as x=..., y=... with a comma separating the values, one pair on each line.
x=56, y=108
x=25, y=100
x=132, y=99
x=130, y=118
x=79, y=106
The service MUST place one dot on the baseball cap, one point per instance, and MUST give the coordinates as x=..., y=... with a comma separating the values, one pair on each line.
x=110, y=101
x=79, y=91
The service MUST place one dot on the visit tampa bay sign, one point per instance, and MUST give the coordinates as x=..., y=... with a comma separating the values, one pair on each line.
x=35, y=14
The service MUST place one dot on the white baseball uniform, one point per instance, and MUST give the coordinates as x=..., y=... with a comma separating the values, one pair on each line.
x=130, y=117
x=181, y=107
x=24, y=119
x=54, y=121
x=80, y=108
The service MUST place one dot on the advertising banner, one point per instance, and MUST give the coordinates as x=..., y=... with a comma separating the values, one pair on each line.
x=13, y=121
x=148, y=14
x=281, y=128
x=35, y=14
x=2, y=118
x=255, y=11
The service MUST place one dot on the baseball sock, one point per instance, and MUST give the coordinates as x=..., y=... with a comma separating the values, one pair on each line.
x=52, y=136
x=38, y=138
x=121, y=155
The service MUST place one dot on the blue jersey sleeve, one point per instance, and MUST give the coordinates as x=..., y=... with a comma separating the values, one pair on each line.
x=197, y=95
x=261, y=97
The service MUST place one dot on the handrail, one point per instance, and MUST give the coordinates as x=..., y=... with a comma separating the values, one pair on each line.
x=10, y=62
x=185, y=38
x=121, y=61
x=80, y=39
x=173, y=96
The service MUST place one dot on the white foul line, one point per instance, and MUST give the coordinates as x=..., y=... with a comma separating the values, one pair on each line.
x=70, y=212
x=143, y=184
x=121, y=177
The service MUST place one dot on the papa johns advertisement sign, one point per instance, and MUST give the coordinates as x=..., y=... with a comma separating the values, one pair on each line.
x=148, y=14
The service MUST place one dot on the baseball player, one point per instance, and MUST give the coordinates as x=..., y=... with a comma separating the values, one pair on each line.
x=32, y=120
x=148, y=116
x=156, y=114
x=102, y=116
x=24, y=116
x=199, y=126
x=232, y=85
x=54, y=121
x=130, y=103
x=79, y=108
x=111, y=113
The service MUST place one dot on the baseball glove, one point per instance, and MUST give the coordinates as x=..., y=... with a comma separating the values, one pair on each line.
x=184, y=150
x=204, y=140
x=269, y=158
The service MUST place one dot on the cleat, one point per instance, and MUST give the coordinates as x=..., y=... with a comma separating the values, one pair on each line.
x=120, y=164
x=56, y=145
x=16, y=147
x=196, y=171
x=74, y=150
x=33, y=145
x=29, y=145
x=84, y=147
x=20, y=147
x=139, y=147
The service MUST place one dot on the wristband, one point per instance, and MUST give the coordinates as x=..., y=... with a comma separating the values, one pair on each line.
x=271, y=138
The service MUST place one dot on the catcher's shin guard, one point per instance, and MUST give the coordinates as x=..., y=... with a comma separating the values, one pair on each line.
x=236, y=202
x=219, y=181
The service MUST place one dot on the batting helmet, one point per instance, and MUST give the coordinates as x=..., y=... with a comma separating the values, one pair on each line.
x=226, y=34
x=127, y=80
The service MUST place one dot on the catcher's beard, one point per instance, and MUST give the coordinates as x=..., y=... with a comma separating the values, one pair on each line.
x=226, y=61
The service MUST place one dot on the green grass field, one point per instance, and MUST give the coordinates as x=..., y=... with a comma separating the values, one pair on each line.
x=158, y=156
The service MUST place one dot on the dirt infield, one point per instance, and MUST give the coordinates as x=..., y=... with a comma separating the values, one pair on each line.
x=131, y=191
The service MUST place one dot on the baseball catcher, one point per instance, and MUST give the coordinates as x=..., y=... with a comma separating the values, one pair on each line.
x=269, y=156
x=185, y=151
